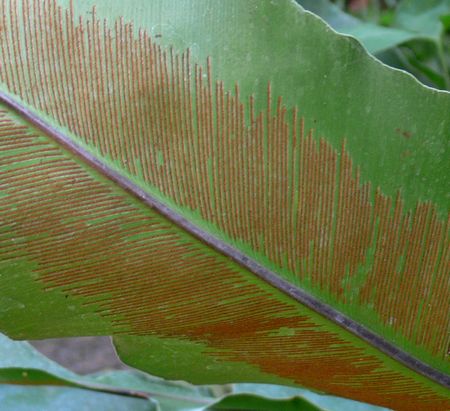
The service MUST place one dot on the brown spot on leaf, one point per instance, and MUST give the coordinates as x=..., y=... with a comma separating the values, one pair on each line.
x=406, y=154
x=404, y=133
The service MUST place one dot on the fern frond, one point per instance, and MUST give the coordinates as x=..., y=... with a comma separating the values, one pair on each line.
x=272, y=197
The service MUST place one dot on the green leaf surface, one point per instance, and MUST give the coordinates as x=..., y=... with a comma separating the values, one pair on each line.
x=30, y=398
x=30, y=381
x=428, y=19
x=326, y=403
x=413, y=21
x=423, y=17
x=375, y=38
x=243, y=248
x=178, y=396
x=340, y=91
x=22, y=364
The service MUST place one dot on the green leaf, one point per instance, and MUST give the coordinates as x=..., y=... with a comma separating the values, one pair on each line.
x=421, y=56
x=422, y=17
x=375, y=38
x=176, y=396
x=21, y=364
x=252, y=402
x=30, y=381
x=326, y=402
x=414, y=21
x=427, y=19
x=18, y=398
x=445, y=20
x=211, y=233
x=42, y=384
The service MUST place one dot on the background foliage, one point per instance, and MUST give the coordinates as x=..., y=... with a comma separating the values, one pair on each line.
x=29, y=382
x=411, y=35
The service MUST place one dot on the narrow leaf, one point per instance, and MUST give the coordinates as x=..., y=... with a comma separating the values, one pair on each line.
x=26, y=398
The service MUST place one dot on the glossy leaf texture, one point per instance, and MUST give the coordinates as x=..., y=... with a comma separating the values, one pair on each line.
x=293, y=230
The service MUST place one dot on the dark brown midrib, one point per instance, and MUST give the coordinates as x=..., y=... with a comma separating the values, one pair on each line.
x=269, y=276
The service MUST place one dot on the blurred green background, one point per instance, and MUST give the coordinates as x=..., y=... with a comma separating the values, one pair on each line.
x=412, y=35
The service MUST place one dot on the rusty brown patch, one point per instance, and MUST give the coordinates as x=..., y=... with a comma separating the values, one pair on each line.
x=404, y=133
